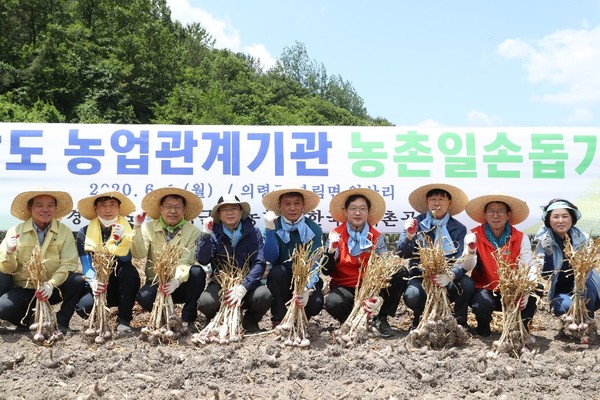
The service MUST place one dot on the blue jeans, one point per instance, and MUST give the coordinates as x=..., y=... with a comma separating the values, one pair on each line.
x=561, y=302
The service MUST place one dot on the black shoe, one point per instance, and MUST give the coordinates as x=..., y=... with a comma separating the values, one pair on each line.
x=251, y=327
x=483, y=329
x=65, y=329
x=381, y=326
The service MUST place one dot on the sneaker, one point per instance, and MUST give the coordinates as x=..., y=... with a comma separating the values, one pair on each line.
x=381, y=326
x=123, y=326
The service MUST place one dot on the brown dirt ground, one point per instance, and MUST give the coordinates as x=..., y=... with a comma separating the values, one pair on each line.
x=260, y=367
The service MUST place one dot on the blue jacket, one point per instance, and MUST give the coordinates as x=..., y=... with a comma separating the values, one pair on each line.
x=213, y=249
x=408, y=249
x=278, y=252
x=554, y=262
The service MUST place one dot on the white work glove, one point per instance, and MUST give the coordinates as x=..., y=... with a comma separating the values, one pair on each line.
x=235, y=295
x=372, y=305
x=523, y=301
x=540, y=258
x=169, y=287
x=410, y=226
x=302, y=298
x=11, y=243
x=334, y=241
x=442, y=280
x=117, y=232
x=208, y=225
x=471, y=242
x=45, y=291
x=269, y=217
x=139, y=219
x=546, y=243
x=97, y=287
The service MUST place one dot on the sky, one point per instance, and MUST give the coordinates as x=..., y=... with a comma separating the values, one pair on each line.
x=432, y=63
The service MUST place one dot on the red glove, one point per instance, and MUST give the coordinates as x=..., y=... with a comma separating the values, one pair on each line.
x=44, y=292
x=410, y=225
x=117, y=232
x=139, y=219
x=523, y=301
x=208, y=225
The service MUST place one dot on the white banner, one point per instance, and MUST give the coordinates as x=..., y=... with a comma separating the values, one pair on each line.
x=535, y=164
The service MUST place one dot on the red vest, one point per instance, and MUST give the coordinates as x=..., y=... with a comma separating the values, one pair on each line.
x=485, y=274
x=346, y=270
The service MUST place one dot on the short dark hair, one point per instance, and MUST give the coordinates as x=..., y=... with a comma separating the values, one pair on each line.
x=438, y=192
x=499, y=202
x=106, y=198
x=353, y=197
x=291, y=194
x=175, y=196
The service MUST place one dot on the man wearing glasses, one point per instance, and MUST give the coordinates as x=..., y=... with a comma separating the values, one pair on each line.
x=172, y=210
x=497, y=214
x=437, y=203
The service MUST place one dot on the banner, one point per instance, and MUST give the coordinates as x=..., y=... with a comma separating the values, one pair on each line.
x=535, y=164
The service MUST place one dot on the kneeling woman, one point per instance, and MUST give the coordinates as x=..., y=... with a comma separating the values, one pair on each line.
x=560, y=217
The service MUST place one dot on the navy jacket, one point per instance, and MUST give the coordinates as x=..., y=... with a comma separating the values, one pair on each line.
x=408, y=248
x=213, y=249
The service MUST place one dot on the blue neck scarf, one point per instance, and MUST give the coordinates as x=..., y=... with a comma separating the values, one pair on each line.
x=358, y=241
x=502, y=240
x=306, y=234
x=234, y=235
x=441, y=232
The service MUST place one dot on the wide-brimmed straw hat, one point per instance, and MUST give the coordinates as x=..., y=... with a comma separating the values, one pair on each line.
x=376, y=213
x=229, y=199
x=87, y=210
x=418, y=198
x=271, y=199
x=64, y=203
x=151, y=202
x=519, y=211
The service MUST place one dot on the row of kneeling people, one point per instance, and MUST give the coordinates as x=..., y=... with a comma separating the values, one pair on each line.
x=229, y=237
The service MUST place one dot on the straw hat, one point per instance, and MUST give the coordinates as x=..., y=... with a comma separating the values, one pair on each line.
x=476, y=207
x=151, y=202
x=64, y=203
x=229, y=199
x=378, y=207
x=418, y=198
x=86, y=205
x=271, y=199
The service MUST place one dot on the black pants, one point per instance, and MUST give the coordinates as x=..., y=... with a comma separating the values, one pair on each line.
x=460, y=292
x=391, y=295
x=123, y=286
x=187, y=294
x=15, y=304
x=339, y=302
x=5, y=283
x=257, y=302
x=485, y=302
x=279, y=283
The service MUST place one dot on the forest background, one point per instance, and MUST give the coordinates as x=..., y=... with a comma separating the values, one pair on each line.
x=127, y=61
